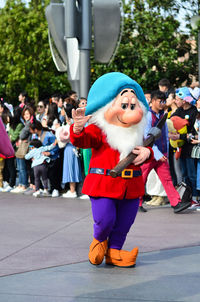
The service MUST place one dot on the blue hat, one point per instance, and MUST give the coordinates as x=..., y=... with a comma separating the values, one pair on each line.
x=184, y=94
x=107, y=87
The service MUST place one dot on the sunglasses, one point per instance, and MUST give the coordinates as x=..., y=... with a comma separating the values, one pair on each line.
x=40, y=106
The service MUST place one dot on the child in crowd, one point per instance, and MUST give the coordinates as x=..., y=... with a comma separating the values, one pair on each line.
x=39, y=160
x=47, y=138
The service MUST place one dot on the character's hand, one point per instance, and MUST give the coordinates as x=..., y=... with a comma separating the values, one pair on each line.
x=174, y=136
x=80, y=119
x=142, y=155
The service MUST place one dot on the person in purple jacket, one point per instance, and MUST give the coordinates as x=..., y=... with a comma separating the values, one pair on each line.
x=6, y=149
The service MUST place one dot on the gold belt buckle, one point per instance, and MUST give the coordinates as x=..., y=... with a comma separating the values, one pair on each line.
x=127, y=173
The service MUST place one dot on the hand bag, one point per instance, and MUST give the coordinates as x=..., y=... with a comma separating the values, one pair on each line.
x=22, y=150
x=184, y=191
x=195, y=152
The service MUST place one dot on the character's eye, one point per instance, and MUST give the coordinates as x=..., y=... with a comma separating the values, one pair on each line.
x=132, y=106
x=124, y=106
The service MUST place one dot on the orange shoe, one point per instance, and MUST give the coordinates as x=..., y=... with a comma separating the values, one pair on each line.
x=121, y=258
x=97, y=251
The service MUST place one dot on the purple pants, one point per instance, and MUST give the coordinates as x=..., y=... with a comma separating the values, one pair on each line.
x=113, y=219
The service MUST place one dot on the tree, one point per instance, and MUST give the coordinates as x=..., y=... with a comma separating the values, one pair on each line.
x=25, y=57
x=151, y=45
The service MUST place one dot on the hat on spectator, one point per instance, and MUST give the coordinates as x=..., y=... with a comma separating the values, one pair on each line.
x=185, y=94
x=107, y=87
x=195, y=92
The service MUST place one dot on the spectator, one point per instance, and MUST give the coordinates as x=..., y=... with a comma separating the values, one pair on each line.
x=6, y=150
x=40, y=111
x=52, y=116
x=196, y=155
x=60, y=103
x=160, y=148
x=147, y=95
x=73, y=95
x=154, y=188
x=165, y=86
x=4, y=111
x=39, y=160
x=195, y=93
x=71, y=164
x=23, y=99
x=47, y=138
x=171, y=103
x=71, y=101
x=1, y=106
x=24, y=168
x=174, y=163
x=44, y=119
x=186, y=110
x=55, y=98
x=82, y=103
x=15, y=127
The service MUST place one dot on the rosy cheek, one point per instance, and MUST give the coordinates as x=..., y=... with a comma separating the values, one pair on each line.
x=112, y=113
x=140, y=112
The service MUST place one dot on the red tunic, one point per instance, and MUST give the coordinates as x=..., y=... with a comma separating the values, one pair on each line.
x=104, y=157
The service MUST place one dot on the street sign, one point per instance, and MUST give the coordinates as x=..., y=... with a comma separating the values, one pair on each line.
x=70, y=36
x=107, y=28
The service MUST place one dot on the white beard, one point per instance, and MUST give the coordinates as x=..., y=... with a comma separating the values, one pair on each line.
x=119, y=138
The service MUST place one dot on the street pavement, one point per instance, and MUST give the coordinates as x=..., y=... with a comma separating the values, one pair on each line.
x=44, y=254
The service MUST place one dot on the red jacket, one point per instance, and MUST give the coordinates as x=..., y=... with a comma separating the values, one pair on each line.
x=103, y=156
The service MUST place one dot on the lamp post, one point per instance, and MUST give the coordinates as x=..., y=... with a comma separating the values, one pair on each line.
x=194, y=23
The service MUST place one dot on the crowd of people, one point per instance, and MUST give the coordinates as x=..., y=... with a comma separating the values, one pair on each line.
x=47, y=164
x=174, y=161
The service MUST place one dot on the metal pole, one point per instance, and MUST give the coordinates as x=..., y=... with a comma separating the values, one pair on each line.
x=84, y=72
x=199, y=57
x=85, y=46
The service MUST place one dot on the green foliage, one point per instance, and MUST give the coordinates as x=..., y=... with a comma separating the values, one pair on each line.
x=151, y=45
x=25, y=57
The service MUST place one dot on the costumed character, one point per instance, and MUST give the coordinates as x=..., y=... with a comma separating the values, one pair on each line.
x=175, y=125
x=118, y=107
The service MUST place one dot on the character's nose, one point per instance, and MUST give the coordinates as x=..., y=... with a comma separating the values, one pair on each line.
x=132, y=117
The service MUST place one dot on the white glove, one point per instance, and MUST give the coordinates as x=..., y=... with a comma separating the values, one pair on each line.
x=80, y=119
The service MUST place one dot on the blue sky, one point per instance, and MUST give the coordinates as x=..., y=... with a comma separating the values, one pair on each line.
x=2, y=2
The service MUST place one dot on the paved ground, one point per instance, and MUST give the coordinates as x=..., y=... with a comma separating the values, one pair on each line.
x=44, y=245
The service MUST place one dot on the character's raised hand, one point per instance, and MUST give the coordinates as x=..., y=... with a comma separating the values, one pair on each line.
x=80, y=119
